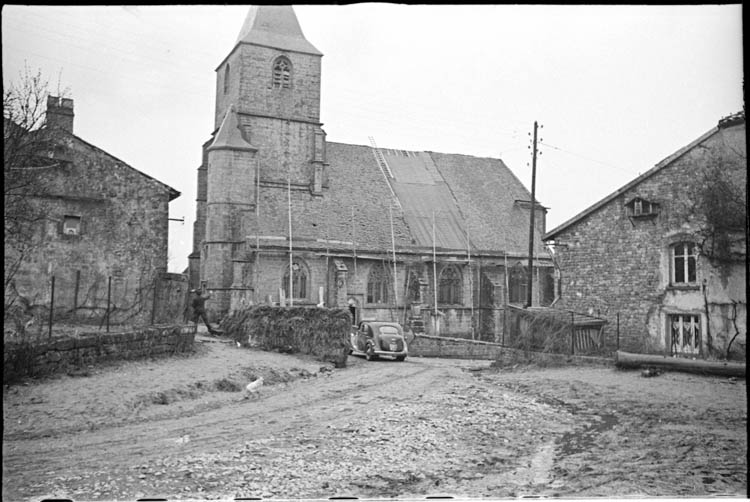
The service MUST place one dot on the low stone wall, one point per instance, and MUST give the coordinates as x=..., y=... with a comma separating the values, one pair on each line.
x=48, y=357
x=460, y=348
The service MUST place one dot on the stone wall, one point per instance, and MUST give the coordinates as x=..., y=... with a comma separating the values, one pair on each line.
x=57, y=355
x=436, y=346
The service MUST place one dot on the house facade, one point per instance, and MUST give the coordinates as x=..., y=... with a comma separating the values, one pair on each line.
x=663, y=259
x=104, y=234
x=437, y=241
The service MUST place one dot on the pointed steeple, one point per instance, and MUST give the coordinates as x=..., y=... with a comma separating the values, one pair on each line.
x=229, y=135
x=275, y=26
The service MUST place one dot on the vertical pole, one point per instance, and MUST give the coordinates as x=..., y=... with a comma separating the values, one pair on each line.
x=572, y=333
x=291, y=271
x=329, y=301
x=51, y=304
x=75, y=293
x=531, y=222
x=354, y=242
x=471, y=279
x=109, y=299
x=257, y=230
x=618, y=331
x=153, y=302
x=395, y=274
x=434, y=277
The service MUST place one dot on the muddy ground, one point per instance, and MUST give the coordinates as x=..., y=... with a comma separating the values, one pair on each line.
x=183, y=428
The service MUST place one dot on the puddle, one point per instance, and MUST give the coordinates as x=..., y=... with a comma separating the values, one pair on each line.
x=583, y=439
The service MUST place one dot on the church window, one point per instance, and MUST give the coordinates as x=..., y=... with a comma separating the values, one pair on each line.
x=377, y=285
x=299, y=282
x=518, y=284
x=449, y=287
x=282, y=73
x=226, y=78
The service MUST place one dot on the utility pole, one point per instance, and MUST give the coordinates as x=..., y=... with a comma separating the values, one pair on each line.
x=531, y=223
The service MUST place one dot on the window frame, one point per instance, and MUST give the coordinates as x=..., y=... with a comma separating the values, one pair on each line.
x=281, y=78
x=686, y=257
x=377, y=285
x=520, y=287
x=300, y=281
x=78, y=229
x=450, y=286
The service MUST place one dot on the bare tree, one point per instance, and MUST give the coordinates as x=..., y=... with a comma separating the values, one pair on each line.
x=27, y=160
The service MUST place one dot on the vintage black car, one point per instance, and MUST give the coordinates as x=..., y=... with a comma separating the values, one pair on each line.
x=374, y=339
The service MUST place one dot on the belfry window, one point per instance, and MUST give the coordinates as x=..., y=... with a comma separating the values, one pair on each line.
x=226, y=78
x=282, y=73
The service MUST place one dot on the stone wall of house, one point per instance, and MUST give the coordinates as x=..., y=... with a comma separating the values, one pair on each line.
x=58, y=355
x=613, y=263
x=123, y=234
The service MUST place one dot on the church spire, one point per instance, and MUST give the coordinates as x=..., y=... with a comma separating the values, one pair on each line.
x=275, y=26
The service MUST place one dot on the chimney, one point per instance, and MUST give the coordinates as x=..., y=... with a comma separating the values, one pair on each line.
x=60, y=113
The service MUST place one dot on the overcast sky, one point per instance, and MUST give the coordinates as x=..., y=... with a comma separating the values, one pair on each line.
x=616, y=89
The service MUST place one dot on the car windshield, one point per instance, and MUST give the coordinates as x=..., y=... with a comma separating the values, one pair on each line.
x=389, y=330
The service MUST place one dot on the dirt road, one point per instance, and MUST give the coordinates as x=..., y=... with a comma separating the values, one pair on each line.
x=181, y=428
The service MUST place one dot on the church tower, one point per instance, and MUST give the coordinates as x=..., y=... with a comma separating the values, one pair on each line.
x=267, y=135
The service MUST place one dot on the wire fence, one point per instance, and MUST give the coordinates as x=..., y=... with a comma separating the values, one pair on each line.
x=73, y=301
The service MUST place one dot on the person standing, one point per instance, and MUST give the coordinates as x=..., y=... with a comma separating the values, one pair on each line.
x=199, y=308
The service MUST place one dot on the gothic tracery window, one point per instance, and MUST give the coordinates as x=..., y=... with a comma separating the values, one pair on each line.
x=449, y=287
x=282, y=73
x=299, y=282
x=377, y=285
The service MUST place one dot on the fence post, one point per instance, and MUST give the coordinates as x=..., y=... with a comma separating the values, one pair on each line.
x=51, y=305
x=109, y=298
x=618, y=331
x=572, y=333
x=75, y=293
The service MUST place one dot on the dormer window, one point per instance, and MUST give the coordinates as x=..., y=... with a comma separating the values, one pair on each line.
x=282, y=73
x=642, y=208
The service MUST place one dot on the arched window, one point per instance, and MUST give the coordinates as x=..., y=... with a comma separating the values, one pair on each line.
x=412, y=289
x=684, y=261
x=226, y=78
x=449, y=287
x=377, y=285
x=282, y=73
x=518, y=284
x=299, y=282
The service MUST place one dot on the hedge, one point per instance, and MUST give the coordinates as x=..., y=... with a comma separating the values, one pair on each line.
x=321, y=332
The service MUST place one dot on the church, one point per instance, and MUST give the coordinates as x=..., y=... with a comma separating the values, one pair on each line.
x=436, y=241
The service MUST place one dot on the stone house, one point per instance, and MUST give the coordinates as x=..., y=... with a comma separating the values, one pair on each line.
x=104, y=219
x=665, y=255
x=439, y=241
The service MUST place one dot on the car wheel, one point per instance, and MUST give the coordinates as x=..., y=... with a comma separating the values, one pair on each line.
x=370, y=352
x=400, y=358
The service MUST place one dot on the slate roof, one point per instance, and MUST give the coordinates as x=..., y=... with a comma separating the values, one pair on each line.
x=275, y=26
x=464, y=192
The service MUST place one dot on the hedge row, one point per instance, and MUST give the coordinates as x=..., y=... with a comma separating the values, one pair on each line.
x=321, y=332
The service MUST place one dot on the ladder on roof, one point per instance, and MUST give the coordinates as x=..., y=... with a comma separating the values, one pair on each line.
x=385, y=169
x=380, y=157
